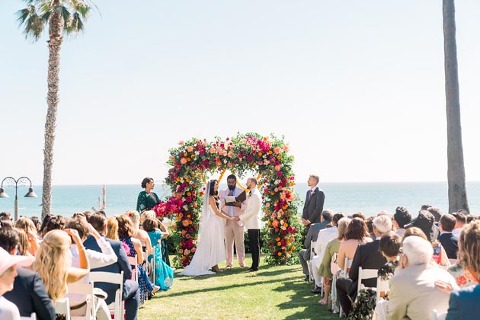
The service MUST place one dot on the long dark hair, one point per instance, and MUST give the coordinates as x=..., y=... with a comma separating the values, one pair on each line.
x=357, y=229
x=211, y=191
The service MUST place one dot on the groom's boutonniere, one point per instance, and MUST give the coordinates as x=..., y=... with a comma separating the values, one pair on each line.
x=311, y=193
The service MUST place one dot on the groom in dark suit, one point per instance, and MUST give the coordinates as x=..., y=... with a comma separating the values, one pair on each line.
x=314, y=201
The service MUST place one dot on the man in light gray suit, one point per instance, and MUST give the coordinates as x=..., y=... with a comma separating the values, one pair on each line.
x=412, y=289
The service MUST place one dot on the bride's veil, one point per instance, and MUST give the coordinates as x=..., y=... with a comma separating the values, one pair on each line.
x=205, y=214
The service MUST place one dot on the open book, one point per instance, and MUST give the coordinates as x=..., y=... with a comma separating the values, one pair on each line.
x=230, y=200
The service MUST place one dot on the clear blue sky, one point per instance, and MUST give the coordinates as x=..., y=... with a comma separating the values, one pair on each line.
x=355, y=87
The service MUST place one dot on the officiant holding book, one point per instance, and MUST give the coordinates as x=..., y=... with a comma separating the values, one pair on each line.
x=234, y=233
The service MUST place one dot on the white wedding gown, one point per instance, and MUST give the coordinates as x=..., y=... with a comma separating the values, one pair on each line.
x=210, y=245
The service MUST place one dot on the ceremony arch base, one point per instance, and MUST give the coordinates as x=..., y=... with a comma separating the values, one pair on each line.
x=195, y=160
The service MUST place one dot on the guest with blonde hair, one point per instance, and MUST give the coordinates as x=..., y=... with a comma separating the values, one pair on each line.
x=54, y=262
x=112, y=228
x=27, y=225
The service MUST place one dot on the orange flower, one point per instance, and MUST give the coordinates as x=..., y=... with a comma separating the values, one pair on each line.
x=275, y=223
x=189, y=148
x=183, y=161
x=279, y=254
x=277, y=150
x=185, y=223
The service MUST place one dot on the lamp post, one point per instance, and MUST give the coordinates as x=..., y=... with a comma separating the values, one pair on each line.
x=16, y=182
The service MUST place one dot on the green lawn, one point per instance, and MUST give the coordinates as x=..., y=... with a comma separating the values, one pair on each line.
x=271, y=293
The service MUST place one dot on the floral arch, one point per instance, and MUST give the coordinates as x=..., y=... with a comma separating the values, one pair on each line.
x=194, y=160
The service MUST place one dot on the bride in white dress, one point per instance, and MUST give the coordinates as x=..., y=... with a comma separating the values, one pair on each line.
x=210, y=245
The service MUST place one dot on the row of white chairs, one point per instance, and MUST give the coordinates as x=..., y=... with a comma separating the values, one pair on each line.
x=86, y=289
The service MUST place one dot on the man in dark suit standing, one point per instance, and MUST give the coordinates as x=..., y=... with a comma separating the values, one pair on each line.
x=28, y=293
x=366, y=256
x=131, y=294
x=313, y=207
x=448, y=241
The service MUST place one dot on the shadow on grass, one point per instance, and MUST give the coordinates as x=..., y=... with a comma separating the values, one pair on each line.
x=303, y=300
x=215, y=289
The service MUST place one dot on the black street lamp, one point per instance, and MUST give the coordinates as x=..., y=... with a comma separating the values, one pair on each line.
x=16, y=183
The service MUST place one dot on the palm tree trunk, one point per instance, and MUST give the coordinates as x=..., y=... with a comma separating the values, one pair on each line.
x=54, y=45
x=457, y=192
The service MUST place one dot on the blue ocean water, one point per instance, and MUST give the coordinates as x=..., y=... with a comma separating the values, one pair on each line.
x=368, y=198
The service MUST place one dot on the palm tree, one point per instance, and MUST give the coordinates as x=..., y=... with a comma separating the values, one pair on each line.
x=457, y=192
x=60, y=16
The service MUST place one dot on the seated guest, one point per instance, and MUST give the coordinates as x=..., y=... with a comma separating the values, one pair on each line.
x=464, y=303
x=366, y=256
x=400, y=219
x=133, y=246
x=28, y=293
x=331, y=251
x=27, y=225
x=8, y=272
x=424, y=221
x=304, y=254
x=412, y=288
x=461, y=220
x=356, y=234
x=163, y=272
x=324, y=237
x=131, y=294
x=448, y=241
x=440, y=258
x=54, y=262
x=96, y=260
x=389, y=246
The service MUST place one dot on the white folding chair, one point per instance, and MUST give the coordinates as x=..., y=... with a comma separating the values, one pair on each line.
x=364, y=274
x=133, y=263
x=346, y=268
x=116, y=307
x=309, y=262
x=85, y=290
x=33, y=316
x=62, y=306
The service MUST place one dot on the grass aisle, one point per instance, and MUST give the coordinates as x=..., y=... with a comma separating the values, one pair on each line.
x=271, y=293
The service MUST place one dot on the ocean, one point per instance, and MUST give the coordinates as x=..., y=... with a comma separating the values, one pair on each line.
x=368, y=198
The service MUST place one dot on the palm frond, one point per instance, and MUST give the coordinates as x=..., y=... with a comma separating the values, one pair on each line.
x=75, y=24
x=45, y=7
x=80, y=6
x=33, y=23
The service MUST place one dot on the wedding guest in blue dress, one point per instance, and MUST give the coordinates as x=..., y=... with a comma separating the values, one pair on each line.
x=163, y=272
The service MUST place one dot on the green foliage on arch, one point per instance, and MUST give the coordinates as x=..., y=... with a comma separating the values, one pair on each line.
x=195, y=159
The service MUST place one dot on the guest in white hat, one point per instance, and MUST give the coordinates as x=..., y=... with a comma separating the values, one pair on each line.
x=8, y=272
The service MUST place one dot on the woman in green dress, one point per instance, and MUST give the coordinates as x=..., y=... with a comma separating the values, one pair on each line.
x=147, y=199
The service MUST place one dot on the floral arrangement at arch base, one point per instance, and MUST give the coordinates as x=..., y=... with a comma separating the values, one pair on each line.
x=192, y=161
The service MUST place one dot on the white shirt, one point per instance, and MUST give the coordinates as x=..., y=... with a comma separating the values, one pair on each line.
x=8, y=310
x=95, y=258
